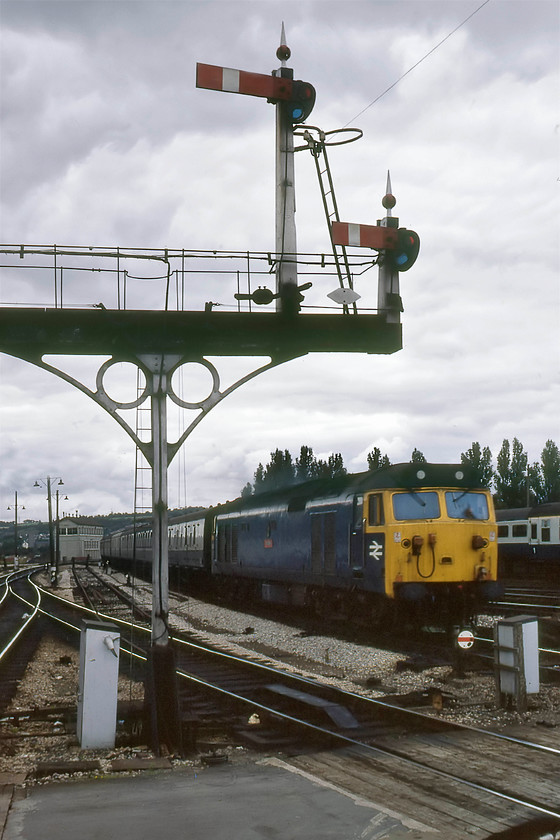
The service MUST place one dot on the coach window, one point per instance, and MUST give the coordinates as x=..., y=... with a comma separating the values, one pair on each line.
x=503, y=531
x=519, y=531
x=545, y=531
x=375, y=510
x=533, y=530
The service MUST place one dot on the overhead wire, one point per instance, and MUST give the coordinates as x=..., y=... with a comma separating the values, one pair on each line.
x=414, y=66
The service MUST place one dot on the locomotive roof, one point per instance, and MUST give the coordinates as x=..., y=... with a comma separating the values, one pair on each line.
x=407, y=476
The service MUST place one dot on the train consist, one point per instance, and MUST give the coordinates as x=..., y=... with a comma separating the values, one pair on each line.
x=529, y=541
x=418, y=537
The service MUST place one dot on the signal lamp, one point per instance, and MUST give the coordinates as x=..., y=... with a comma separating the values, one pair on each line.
x=301, y=102
x=404, y=255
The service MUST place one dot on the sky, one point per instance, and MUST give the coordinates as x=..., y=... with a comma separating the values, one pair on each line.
x=106, y=142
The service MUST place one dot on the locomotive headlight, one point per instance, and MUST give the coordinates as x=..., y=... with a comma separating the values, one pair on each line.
x=479, y=542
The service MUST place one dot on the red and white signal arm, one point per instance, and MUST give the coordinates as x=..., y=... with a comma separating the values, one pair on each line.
x=212, y=77
x=465, y=639
x=364, y=236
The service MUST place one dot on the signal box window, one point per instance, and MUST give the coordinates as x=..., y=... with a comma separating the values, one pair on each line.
x=375, y=510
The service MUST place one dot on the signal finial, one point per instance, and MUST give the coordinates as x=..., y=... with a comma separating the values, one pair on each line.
x=388, y=201
x=283, y=52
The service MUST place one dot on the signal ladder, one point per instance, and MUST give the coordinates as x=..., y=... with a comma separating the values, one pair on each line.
x=330, y=206
x=142, y=470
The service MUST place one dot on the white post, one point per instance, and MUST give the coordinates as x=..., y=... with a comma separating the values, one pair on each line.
x=286, y=243
x=388, y=289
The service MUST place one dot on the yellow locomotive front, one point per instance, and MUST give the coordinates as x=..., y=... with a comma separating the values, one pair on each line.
x=440, y=548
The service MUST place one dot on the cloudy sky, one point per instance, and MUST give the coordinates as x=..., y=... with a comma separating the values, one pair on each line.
x=107, y=142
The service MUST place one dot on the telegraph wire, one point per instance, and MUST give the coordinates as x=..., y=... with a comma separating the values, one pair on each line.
x=414, y=66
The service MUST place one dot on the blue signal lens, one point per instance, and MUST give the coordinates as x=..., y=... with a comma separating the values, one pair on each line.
x=297, y=113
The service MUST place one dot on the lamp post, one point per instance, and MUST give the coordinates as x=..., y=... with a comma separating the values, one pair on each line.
x=57, y=531
x=53, y=557
x=16, y=506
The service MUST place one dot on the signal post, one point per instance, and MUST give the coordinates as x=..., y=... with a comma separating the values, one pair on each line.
x=159, y=342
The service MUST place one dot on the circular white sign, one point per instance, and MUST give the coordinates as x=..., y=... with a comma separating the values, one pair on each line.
x=465, y=639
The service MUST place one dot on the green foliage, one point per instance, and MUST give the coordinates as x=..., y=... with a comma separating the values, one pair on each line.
x=417, y=457
x=545, y=477
x=281, y=471
x=376, y=460
x=480, y=460
x=511, y=476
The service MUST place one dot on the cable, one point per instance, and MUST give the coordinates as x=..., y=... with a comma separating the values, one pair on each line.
x=417, y=63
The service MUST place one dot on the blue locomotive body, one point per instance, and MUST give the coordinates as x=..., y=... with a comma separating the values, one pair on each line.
x=406, y=534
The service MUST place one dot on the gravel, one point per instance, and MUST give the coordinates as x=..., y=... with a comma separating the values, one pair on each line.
x=51, y=679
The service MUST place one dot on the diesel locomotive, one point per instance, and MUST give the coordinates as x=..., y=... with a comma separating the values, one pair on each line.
x=416, y=538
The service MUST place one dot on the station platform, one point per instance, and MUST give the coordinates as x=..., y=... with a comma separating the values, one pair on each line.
x=262, y=800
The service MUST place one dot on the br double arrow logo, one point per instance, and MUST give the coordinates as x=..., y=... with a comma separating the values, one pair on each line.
x=375, y=550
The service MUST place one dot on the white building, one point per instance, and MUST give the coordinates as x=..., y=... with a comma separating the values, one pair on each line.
x=78, y=539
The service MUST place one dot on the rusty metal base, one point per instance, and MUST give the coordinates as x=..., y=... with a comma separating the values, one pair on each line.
x=162, y=701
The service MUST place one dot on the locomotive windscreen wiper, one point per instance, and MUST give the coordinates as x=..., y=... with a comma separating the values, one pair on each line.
x=416, y=496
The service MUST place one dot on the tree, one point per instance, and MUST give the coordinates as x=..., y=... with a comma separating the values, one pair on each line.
x=511, y=476
x=305, y=464
x=333, y=467
x=336, y=465
x=280, y=471
x=480, y=460
x=259, y=479
x=417, y=457
x=545, y=477
x=376, y=460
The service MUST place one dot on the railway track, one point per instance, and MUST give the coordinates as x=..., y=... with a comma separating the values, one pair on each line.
x=354, y=739
x=537, y=601
x=19, y=634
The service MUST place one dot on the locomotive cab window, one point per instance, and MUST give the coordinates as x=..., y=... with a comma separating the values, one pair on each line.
x=375, y=509
x=461, y=505
x=422, y=504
